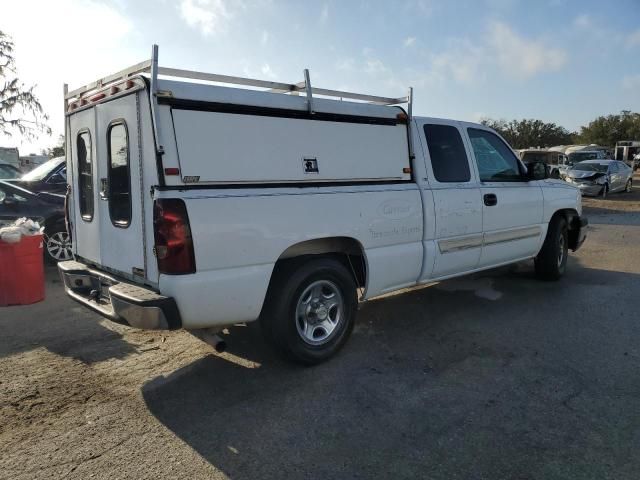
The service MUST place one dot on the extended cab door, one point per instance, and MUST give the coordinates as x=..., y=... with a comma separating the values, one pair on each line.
x=512, y=206
x=457, y=239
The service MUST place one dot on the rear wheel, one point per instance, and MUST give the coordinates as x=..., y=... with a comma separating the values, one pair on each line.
x=310, y=310
x=551, y=261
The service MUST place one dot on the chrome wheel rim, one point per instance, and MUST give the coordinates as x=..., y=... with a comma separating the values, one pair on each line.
x=59, y=246
x=560, y=250
x=319, y=311
x=628, y=189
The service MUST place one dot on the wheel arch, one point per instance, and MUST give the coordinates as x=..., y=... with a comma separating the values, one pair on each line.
x=347, y=250
x=572, y=218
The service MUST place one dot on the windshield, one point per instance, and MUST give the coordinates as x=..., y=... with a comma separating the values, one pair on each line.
x=591, y=167
x=41, y=172
x=581, y=156
x=535, y=157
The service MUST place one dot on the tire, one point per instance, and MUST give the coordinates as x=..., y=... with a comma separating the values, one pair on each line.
x=551, y=261
x=628, y=186
x=57, y=245
x=310, y=310
x=605, y=190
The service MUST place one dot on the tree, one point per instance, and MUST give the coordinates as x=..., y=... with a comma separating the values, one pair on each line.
x=607, y=130
x=20, y=109
x=55, y=151
x=529, y=133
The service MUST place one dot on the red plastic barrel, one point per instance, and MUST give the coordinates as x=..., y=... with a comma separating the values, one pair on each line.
x=21, y=271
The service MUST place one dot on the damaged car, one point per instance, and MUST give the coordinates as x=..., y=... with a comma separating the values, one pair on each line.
x=601, y=177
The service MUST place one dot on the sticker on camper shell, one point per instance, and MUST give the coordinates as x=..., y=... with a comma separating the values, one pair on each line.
x=191, y=179
x=310, y=165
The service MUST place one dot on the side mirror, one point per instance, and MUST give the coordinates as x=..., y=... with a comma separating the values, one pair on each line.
x=537, y=171
x=57, y=178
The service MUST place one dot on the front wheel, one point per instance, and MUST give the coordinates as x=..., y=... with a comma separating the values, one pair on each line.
x=628, y=186
x=551, y=261
x=310, y=310
x=605, y=190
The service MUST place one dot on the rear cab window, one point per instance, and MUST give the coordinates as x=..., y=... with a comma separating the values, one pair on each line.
x=119, y=174
x=85, y=175
x=449, y=160
x=496, y=162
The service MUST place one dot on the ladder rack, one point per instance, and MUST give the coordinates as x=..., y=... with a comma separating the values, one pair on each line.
x=270, y=86
x=151, y=67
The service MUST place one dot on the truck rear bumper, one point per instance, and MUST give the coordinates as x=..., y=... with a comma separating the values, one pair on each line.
x=117, y=300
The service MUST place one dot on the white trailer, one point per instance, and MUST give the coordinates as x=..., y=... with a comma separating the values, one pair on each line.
x=196, y=205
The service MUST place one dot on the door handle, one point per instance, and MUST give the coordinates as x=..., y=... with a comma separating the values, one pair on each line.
x=490, y=199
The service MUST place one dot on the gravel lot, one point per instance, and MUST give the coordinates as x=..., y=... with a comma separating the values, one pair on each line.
x=495, y=376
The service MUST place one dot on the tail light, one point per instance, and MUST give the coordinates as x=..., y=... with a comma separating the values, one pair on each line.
x=173, y=242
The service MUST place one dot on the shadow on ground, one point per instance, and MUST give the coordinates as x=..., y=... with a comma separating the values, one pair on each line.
x=40, y=325
x=436, y=383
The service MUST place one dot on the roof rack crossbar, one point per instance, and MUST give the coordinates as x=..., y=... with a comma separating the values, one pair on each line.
x=121, y=75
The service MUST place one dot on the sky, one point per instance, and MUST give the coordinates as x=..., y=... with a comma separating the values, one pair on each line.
x=562, y=61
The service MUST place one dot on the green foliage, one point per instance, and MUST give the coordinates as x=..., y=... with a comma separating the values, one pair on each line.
x=55, y=151
x=607, y=130
x=529, y=133
x=20, y=109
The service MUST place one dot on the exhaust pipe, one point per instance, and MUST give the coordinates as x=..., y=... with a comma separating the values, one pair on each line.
x=211, y=337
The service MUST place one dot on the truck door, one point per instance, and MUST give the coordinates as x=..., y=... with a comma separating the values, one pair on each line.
x=511, y=205
x=86, y=221
x=119, y=193
x=456, y=198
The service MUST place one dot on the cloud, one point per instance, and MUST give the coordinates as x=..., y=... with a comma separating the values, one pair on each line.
x=522, y=57
x=345, y=64
x=264, y=39
x=324, y=13
x=409, y=41
x=267, y=72
x=633, y=39
x=582, y=21
x=208, y=16
x=374, y=66
x=631, y=82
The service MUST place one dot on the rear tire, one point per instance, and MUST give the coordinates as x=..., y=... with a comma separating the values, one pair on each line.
x=310, y=310
x=551, y=261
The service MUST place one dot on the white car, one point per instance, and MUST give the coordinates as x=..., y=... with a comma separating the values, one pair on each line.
x=199, y=206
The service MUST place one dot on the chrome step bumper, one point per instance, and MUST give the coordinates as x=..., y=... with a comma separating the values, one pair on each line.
x=118, y=300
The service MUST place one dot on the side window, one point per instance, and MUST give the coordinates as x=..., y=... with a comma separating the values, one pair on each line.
x=448, y=157
x=119, y=182
x=613, y=167
x=85, y=175
x=496, y=162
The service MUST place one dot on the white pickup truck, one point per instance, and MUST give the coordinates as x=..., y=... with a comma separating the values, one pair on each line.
x=198, y=206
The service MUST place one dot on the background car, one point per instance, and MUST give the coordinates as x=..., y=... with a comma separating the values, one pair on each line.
x=51, y=177
x=9, y=171
x=601, y=177
x=45, y=208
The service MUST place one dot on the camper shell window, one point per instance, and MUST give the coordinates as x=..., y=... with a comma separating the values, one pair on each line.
x=85, y=175
x=119, y=174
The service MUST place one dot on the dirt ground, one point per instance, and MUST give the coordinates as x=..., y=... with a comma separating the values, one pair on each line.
x=494, y=376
